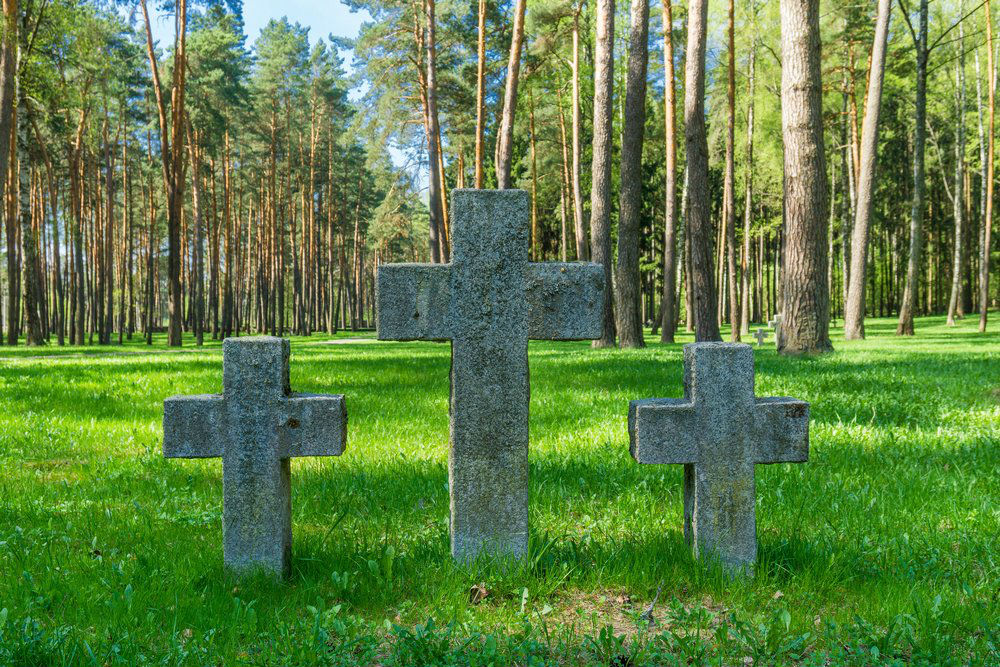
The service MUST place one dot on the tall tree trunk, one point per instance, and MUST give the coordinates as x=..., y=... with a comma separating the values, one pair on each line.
x=909, y=304
x=30, y=280
x=536, y=240
x=805, y=323
x=565, y=186
x=854, y=310
x=428, y=80
x=729, y=181
x=197, y=275
x=628, y=321
x=669, y=307
x=847, y=210
x=129, y=231
x=984, y=260
x=76, y=198
x=600, y=188
x=702, y=286
x=582, y=245
x=8, y=86
x=505, y=143
x=748, y=199
x=480, y=93
x=172, y=154
x=958, y=208
x=56, y=251
x=108, y=261
x=444, y=238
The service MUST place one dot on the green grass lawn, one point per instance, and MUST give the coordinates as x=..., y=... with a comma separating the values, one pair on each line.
x=883, y=549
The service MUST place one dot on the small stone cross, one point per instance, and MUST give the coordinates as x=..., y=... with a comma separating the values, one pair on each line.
x=776, y=325
x=761, y=336
x=256, y=425
x=489, y=301
x=720, y=431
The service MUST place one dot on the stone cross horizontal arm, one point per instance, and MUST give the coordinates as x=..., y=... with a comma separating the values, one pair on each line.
x=564, y=301
x=194, y=427
x=674, y=430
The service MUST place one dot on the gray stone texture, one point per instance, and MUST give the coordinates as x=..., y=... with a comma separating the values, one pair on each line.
x=256, y=426
x=719, y=431
x=489, y=301
x=775, y=323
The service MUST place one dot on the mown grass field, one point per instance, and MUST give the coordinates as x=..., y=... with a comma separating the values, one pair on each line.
x=883, y=549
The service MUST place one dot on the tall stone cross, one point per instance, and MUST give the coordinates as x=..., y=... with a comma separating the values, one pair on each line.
x=489, y=301
x=720, y=431
x=256, y=425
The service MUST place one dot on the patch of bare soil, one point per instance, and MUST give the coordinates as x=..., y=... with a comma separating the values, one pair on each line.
x=625, y=613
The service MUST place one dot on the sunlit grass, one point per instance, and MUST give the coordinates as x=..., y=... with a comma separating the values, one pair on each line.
x=115, y=553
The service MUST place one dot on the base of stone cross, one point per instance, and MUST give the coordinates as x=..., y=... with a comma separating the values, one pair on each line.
x=720, y=515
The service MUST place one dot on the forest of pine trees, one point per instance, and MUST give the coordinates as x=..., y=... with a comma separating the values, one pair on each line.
x=826, y=160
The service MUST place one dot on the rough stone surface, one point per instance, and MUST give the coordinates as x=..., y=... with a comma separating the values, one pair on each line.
x=761, y=336
x=256, y=425
x=720, y=431
x=489, y=302
x=775, y=324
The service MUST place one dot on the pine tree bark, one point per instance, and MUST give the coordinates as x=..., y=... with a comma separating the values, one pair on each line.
x=669, y=307
x=582, y=243
x=197, y=274
x=172, y=157
x=566, y=187
x=60, y=323
x=505, y=140
x=958, y=204
x=854, y=310
x=806, y=310
x=702, y=288
x=536, y=250
x=627, y=316
x=729, y=181
x=600, y=193
x=30, y=278
x=433, y=133
x=748, y=198
x=8, y=86
x=480, y=93
x=909, y=303
x=984, y=260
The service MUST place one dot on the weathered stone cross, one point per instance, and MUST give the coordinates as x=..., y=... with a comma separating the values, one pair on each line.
x=489, y=302
x=257, y=425
x=761, y=336
x=720, y=431
x=776, y=325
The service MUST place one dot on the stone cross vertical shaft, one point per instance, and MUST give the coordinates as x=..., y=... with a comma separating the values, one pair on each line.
x=489, y=301
x=720, y=431
x=761, y=336
x=256, y=425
